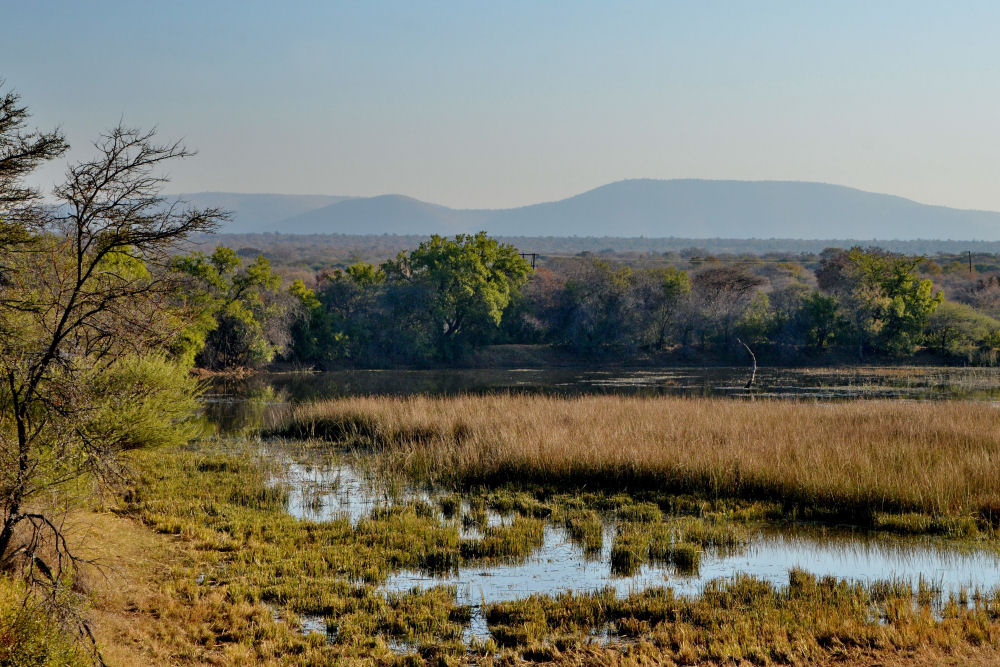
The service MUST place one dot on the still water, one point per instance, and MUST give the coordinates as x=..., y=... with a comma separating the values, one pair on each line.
x=233, y=404
x=339, y=490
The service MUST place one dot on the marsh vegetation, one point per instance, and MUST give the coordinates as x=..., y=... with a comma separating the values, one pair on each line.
x=448, y=530
x=230, y=503
x=853, y=460
x=497, y=528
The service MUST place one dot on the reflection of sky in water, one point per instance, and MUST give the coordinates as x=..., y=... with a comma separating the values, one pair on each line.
x=341, y=491
x=560, y=565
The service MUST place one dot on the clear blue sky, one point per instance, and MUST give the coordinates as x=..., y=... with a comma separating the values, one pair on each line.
x=507, y=103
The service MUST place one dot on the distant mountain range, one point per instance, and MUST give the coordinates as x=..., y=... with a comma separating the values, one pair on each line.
x=650, y=208
x=259, y=212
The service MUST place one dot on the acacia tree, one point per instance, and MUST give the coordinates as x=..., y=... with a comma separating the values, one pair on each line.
x=21, y=150
x=85, y=306
x=722, y=296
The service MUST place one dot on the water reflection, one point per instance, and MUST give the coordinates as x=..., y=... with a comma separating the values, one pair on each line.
x=327, y=493
x=888, y=382
x=260, y=399
x=559, y=564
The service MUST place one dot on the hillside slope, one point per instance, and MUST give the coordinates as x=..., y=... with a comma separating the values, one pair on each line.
x=650, y=208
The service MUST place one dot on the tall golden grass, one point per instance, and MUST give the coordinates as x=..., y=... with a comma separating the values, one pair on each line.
x=856, y=457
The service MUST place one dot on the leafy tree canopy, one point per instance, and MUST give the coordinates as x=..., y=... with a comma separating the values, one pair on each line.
x=468, y=281
x=237, y=309
x=890, y=303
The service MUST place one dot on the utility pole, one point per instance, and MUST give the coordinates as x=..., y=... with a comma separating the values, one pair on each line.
x=970, y=261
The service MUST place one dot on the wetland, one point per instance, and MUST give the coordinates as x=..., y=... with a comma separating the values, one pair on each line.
x=644, y=514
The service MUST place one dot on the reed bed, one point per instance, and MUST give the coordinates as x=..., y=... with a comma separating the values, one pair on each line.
x=853, y=458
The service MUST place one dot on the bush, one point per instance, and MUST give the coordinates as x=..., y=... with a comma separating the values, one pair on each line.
x=29, y=635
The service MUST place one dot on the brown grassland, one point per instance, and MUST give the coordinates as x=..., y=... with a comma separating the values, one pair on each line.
x=852, y=458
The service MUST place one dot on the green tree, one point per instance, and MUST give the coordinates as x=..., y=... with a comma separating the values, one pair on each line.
x=659, y=293
x=758, y=321
x=820, y=320
x=888, y=302
x=341, y=320
x=86, y=308
x=960, y=330
x=466, y=282
x=596, y=310
x=307, y=339
x=242, y=316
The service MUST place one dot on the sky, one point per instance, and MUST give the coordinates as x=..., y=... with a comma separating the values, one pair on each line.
x=498, y=104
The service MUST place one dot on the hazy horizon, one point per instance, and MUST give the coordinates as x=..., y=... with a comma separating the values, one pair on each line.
x=175, y=193
x=475, y=105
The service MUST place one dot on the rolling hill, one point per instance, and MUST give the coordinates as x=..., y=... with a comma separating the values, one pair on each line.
x=651, y=208
x=258, y=212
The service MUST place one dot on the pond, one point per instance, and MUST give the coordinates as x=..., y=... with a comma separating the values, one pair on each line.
x=332, y=490
x=233, y=404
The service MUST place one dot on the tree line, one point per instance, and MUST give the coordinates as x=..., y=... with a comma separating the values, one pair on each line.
x=301, y=255
x=440, y=301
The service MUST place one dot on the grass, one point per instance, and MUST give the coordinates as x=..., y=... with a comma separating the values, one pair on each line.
x=745, y=619
x=252, y=561
x=232, y=575
x=504, y=543
x=854, y=460
x=586, y=529
x=680, y=542
x=211, y=569
x=630, y=549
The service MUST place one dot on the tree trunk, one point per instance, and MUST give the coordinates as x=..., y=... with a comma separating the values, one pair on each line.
x=12, y=511
x=8, y=531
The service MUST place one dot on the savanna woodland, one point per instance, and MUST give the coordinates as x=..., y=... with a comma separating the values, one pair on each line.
x=136, y=532
x=474, y=300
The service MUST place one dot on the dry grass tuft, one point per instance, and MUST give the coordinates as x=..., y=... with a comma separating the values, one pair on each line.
x=849, y=458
